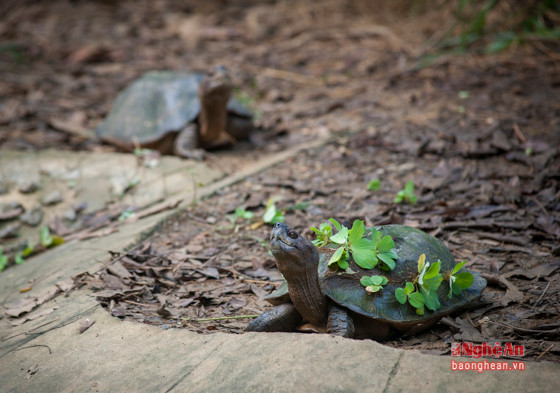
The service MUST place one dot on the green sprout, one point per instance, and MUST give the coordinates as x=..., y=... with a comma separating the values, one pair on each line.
x=409, y=293
x=383, y=246
x=126, y=214
x=423, y=290
x=366, y=252
x=374, y=185
x=323, y=233
x=29, y=249
x=3, y=259
x=271, y=214
x=459, y=281
x=45, y=236
x=18, y=258
x=47, y=240
x=406, y=194
x=373, y=283
x=240, y=212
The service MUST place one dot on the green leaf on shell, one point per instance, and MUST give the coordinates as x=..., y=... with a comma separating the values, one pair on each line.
x=357, y=231
x=373, y=288
x=363, y=254
x=335, y=223
x=341, y=237
x=421, y=262
x=457, y=267
x=431, y=299
x=409, y=288
x=433, y=271
x=387, y=258
x=385, y=244
x=416, y=299
x=375, y=237
x=464, y=280
x=336, y=256
x=366, y=281
x=401, y=295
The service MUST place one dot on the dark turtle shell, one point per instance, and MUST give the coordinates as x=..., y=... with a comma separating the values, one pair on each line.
x=158, y=103
x=410, y=243
x=347, y=291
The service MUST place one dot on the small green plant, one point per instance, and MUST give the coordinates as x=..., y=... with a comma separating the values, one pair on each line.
x=373, y=283
x=383, y=247
x=240, y=212
x=18, y=258
x=423, y=290
x=271, y=214
x=374, y=185
x=366, y=252
x=47, y=240
x=29, y=249
x=3, y=259
x=323, y=233
x=126, y=214
x=459, y=281
x=407, y=194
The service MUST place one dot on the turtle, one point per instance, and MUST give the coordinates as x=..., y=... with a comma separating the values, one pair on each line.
x=177, y=113
x=331, y=299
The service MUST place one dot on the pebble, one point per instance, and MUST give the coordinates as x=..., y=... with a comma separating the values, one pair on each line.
x=52, y=199
x=32, y=217
x=70, y=215
x=9, y=231
x=10, y=210
x=28, y=186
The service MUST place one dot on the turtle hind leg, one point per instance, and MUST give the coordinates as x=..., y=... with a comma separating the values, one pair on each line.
x=282, y=318
x=340, y=322
x=186, y=143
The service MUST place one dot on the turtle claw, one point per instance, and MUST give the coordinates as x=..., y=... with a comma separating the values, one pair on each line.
x=193, y=154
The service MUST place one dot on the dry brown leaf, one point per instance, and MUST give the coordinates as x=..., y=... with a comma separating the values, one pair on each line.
x=118, y=269
x=32, y=316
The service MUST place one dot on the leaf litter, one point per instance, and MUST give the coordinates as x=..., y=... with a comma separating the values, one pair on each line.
x=486, y=176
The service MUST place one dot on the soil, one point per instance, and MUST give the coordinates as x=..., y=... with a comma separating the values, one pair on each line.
x=478, y=134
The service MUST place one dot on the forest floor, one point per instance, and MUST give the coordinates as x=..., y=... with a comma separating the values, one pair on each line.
x=478, y=134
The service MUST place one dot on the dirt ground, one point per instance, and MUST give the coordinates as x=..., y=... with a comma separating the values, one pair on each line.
x=478, y=134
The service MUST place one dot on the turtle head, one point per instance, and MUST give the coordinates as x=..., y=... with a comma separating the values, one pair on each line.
x=214, y=91
x=294, y=254
x=298, y=259
x=216, y=85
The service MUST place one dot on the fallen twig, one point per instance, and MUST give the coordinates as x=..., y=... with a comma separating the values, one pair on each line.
x=545, y=351
x=220, y=318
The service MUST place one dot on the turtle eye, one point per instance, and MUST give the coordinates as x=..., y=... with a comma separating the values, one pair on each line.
x=293, y=234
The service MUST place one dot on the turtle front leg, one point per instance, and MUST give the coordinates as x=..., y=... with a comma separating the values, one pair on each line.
x=186, y=143
x=340, y=322
x=282, y=318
